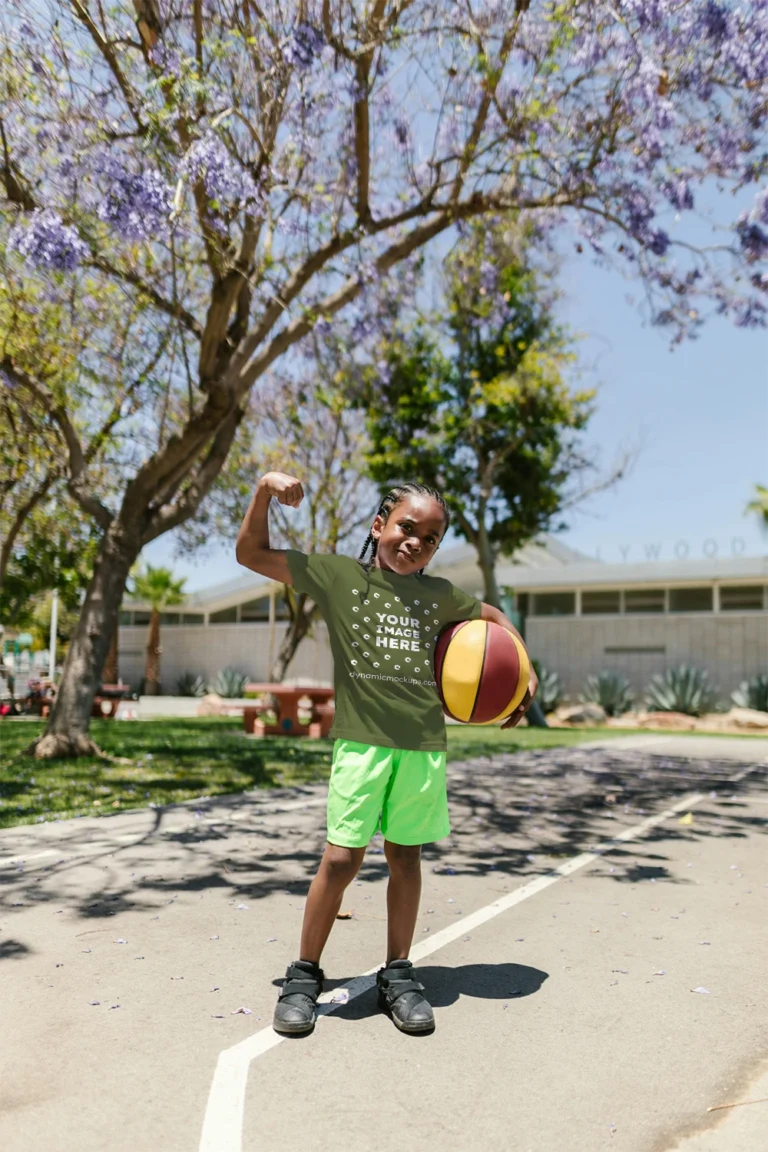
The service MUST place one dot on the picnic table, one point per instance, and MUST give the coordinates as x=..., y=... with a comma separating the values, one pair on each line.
x=287, y=697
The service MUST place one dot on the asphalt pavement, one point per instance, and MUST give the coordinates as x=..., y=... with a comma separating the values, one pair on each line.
x=592, y=936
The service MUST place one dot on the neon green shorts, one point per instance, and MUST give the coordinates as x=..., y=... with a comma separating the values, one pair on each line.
x=402, y=792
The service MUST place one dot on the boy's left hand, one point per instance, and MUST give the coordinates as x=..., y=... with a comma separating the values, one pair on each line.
x=524, y=704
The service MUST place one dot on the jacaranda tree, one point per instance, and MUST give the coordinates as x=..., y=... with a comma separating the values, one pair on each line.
x=248, y=169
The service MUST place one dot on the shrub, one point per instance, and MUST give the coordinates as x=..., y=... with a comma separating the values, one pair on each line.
x=190, y=685
x=610, y=690
x=682, y=689
x=752, y=693
x=230, y=683
x=550, y=691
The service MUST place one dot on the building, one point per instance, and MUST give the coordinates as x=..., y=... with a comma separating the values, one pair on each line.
x=579, y=616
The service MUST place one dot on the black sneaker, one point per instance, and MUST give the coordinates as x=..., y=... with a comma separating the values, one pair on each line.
x=295, y=1008
x=403, y=997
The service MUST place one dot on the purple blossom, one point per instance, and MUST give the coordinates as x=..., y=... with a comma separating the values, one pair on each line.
x=224, y=179
x=714, y=19
x=754, y=241
x=48, y=243
x=759, y=212
x=138, y=205
x=679, y=194
x=304, y=46
x=402, y=130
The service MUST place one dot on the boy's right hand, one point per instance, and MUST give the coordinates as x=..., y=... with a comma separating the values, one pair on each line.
x=286, y=489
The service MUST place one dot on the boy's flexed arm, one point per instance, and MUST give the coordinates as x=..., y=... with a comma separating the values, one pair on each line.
x=498, y=617
x=252, y=549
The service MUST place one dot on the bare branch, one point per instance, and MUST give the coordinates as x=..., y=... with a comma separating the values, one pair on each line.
x=162, y=519
x=77, y=467
x=23, y=512
x=108, y=53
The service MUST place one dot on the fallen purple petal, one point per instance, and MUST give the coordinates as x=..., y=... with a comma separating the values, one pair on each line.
x=704, y=991
x=241, y=1012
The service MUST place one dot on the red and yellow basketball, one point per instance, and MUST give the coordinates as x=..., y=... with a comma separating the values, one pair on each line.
x=482, y=671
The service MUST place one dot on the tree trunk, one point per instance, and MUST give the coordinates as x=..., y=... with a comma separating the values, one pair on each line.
x=152, y=668
x=302, y=619
x=66, y=733
x=487, y=561
x=111, y=673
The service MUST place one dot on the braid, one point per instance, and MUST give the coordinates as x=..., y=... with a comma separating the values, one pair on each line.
x=397, y=493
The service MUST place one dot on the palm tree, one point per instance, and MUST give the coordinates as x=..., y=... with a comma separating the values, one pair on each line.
x=760, y=504
x=157, y=587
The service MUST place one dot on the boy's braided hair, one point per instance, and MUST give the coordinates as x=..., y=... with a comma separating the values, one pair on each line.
x=395, y=495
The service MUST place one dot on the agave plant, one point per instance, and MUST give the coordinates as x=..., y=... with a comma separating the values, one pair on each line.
x=681, y=689
x=752, y=693
x=230, y=683
x=190, y=685
x=610, y=690
x=550, y=690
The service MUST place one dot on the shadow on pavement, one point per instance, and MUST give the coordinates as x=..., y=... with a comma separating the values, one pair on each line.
x=514, y=816
x=13, y=950
x=444, y=986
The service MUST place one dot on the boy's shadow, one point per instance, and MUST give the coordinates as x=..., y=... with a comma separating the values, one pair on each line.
x=444, y=986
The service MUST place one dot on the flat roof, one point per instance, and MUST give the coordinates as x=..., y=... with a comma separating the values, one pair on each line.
x=741, y=569
x=543, y=564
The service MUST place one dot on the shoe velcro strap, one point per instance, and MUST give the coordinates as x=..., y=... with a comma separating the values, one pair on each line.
x=308, y=987
x=394, y=988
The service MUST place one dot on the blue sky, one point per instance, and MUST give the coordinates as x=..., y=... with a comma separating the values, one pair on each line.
x=697, y=417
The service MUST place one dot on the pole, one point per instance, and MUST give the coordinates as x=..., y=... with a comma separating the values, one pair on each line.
x=271, y=630
x=52, y=640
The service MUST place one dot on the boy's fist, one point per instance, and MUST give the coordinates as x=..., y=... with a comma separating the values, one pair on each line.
x=285, y=489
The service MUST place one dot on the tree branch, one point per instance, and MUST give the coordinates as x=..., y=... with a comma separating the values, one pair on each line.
x=107, y=52
x=21, y=516
x=162, y=519
x=77, y=466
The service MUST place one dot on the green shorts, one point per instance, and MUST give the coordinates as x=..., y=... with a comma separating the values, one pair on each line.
x=401, y=792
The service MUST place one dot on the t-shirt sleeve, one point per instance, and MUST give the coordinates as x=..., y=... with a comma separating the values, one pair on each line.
x=462, y=606
x=312, y=573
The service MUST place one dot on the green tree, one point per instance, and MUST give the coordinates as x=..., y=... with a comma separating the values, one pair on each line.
x=156, y=587
x=304, y=425
x=476, y=402
x=759, y=505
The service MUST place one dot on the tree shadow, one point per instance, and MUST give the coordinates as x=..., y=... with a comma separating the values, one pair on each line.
x=13, y=949
x=515, y=816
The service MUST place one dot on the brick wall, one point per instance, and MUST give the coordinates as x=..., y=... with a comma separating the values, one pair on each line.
x=730, y=646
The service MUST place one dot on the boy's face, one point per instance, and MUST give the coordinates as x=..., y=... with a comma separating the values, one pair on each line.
x=410, y=537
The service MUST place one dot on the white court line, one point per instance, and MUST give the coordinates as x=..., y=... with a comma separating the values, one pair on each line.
x=223, y=1120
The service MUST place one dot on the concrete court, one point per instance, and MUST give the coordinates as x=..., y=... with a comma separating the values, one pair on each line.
x=567, y=1023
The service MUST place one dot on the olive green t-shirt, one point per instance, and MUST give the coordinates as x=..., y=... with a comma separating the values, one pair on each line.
x=382, y=628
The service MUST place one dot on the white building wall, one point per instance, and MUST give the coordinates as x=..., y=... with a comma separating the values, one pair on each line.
x=205, y=649
x=730, y=646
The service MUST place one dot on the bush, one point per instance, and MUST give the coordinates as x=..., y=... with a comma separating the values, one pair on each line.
x=550, y=691
x=190, y=685
x=682, y=689
x=610, y=690
x=752, y=693
x=230, y=683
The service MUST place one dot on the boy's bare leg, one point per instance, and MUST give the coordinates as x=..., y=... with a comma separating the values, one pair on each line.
x=403, y=895
x=337, y=870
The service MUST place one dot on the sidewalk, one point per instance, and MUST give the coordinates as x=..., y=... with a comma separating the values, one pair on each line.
x=129, y=943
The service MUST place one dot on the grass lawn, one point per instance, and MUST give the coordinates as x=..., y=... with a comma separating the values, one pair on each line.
x=172, y=760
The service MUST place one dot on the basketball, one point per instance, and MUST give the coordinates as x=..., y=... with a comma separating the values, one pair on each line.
x=482, y=671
